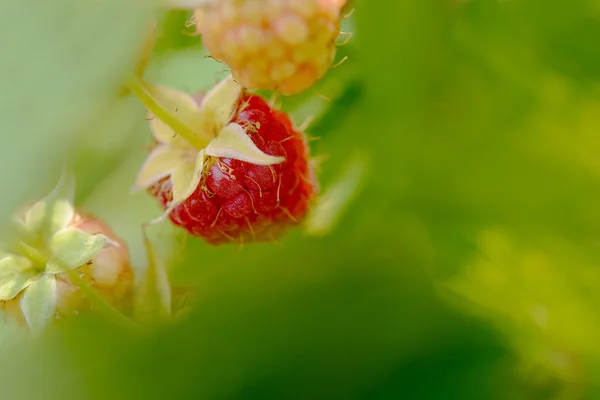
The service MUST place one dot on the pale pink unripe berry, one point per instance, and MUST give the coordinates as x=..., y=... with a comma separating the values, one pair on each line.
x=109, y=273
x=284, y=45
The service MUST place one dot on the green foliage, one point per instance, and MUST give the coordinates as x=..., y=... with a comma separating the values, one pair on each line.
x=465, y=267
x=153, y=293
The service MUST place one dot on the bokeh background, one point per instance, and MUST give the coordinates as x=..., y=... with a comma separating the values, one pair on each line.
x=461, y=259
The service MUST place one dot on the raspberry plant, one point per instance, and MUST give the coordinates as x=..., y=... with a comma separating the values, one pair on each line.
x=450, y=250
x=225, y=166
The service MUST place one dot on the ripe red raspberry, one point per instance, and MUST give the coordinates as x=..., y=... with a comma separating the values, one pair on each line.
x=284, y=45
x=240, y=201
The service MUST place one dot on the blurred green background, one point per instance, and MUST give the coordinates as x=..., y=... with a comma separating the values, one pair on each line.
x=464, y=266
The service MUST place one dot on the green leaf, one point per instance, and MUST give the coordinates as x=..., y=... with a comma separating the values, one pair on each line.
x=15, y=275
x=71, y=248
x=233, y=142
x=337, y=197
x=153, y=291
x=39, y=302
x=57, y=75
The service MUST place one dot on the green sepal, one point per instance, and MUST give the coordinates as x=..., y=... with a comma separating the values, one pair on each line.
x=185, y=179
x=54, y=212
x=176, y=109
x=233, y=142
x=72, y=248
x=15, y=275
x=38, y=303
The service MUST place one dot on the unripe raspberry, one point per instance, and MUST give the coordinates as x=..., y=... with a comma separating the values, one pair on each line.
x=284, y=45
x=108, y=272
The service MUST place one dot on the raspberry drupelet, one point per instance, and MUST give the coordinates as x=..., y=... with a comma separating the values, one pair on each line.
x=240, y=201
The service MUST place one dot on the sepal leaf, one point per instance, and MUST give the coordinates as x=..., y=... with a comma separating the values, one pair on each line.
x=15, y=275
x=233, y=142
x=220, y=103
x=176, y=109
x=71, y=248
x=161, y=162
x=165, y=135
x=53, y=212
x=186, y=177
x=39, y=302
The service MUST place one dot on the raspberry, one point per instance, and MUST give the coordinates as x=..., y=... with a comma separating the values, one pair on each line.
x=241, y=201
x=108, y=272
x=284, y=45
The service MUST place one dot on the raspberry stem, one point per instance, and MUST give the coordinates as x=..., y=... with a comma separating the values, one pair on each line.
x=137, y=87
x=101, y=305
x=36, y=256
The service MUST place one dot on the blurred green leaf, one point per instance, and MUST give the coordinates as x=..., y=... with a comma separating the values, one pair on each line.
x=153, y=290
x=546, y=311
x=58, y=73
x=331, y=205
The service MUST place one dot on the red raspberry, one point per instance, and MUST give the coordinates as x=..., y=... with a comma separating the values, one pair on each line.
x=241, y=201
x=286, y=45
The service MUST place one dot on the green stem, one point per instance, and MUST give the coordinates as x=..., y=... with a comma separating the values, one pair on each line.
x=142, y=92
x=36, y=256
x=99, y=303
